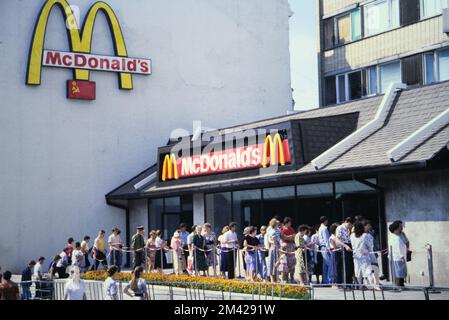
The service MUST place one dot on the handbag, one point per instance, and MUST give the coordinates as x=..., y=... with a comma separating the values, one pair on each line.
x=409, y=255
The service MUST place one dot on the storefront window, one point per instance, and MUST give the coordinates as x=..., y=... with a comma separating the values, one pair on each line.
x=314, y=201
x=173, y=204
x=156, y=208
x=353, y=186
x=279, y=202
x=218, y=210
x=247, y=208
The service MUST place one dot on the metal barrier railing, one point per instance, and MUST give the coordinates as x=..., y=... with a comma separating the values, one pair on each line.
x=54, y=290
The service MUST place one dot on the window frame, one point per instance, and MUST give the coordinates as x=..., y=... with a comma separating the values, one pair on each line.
x=422, y=12
x=346, y=81
x=379, y=80
x=390, y=16
x=436, y=66
x=336, y=30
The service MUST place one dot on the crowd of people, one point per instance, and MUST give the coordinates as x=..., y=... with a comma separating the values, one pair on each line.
x=336, y=254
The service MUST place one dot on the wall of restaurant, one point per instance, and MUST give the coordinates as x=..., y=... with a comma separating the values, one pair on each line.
x=421, y=201
x=60, y=157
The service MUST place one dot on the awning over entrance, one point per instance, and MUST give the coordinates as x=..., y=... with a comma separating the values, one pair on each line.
x=401, y=130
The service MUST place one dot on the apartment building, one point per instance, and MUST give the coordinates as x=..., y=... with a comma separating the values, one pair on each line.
x=366, y=45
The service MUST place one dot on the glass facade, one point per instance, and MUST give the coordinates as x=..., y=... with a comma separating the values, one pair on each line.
x=305, y=204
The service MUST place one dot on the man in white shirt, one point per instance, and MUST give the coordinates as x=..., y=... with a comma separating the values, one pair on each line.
x=230, y=243
x=38, y=273
x=323, y=245
x=343, y=234
x=115, y=248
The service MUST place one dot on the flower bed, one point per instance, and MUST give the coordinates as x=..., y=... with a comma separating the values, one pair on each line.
x=213, y=284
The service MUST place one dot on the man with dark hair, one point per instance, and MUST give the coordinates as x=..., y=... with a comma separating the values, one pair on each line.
x=86, y=251
x=71, y=246
x=9, y=290
x=323, y=246
x=62, y=264
x=115, y=248
x=26, y=280
x=343, y=235
x=138, y=245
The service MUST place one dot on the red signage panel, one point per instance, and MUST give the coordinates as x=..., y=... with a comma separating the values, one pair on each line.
x=81, y=90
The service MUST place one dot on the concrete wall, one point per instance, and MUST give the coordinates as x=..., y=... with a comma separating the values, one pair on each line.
x=222, y=62
x=421, y=200
x=198, y=208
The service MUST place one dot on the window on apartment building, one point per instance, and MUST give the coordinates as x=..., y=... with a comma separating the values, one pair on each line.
x=410, y=12
x=348, y=27
x=430, y=8
x=330, y=95
x=379, y=78
x=412, y=70
x=389, y=73
x=381, y=16
x=349, y=86
x=436, y=66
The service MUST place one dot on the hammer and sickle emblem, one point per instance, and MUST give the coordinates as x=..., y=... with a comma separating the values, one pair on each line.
x=75, y=88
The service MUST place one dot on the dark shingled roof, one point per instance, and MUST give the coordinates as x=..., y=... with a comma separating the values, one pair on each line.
x=413, y=109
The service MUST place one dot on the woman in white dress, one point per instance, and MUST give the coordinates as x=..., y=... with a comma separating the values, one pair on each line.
x=360, y=248
x=137, y=285
x=75, y=288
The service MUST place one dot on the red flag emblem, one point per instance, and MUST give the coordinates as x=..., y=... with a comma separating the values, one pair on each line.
x=82, y=90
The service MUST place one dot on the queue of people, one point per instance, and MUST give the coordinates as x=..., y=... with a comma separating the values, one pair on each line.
x=336, y=254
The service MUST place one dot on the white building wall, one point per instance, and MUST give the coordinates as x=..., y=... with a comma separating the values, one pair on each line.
x=222, y=62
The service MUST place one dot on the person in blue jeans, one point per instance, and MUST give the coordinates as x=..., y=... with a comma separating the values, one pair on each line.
x=262, y=254
x=323, y=246
x=26, y=281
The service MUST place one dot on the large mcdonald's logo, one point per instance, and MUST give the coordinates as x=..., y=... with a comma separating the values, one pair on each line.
x=80, y=58
x=170, y=168
x=274, y=151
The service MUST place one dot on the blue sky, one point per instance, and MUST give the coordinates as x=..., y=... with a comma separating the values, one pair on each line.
x=303, y=51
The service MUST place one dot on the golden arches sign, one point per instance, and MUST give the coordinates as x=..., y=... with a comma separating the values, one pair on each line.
x=273, y=147
x=170, y=168
x=80, y=40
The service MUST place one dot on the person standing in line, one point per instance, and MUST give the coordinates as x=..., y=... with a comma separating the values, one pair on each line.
x=150, y=248
x=317, y=259
x=78, y=258
x=210, y=240
x=99, y=251
x=300, y=268
x=288, y=238
x=223, y=253
x=52, y=269
x=189, y=241
x=86, y=251
x=309, y=253
x=62, y=264
x=26, y=280
x=198, y=244
x=161, y=259
x=75, y=288
x=115, y=248
x=230, y=243
x=262, y=254
x=406, y=241
x=179, y=262
x=343, y=234
x=398, y=254
x=110, y=287
x=251, y=244
x=361, y=257
x=137, y=285
x=71, y=246
x=274, y=240
x=138, y=245
x=38, y=276
x=323, y=246
x=334, y=252
x=245, y=233
x=372, y=248
x=9, y=290
x=184, y=235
